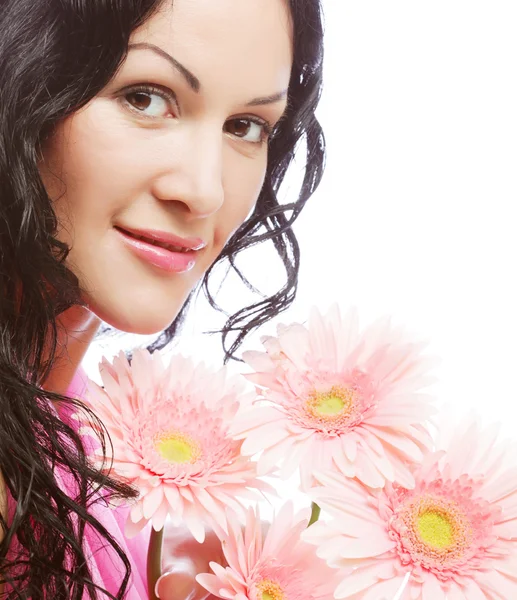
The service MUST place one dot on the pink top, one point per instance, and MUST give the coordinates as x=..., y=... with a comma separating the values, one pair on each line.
x=106, y=568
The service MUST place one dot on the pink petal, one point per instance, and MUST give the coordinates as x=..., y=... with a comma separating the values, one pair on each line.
x=432, y=590
x=262, y=438
x=367, y=546
x=259, y=361
x=472, y=591
x=210, y=582
x=455, y=593
x=132, y=529
x=160, y=516
x=350, y=446
x=403, y=444
x=152, y=501
x=273, y=456
x=196, y=528
x=385, y=589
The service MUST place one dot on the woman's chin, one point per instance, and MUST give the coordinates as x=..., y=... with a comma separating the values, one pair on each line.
x=138, y=320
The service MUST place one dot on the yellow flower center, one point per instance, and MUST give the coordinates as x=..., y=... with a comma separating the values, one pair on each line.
x=331, y=405
x=177, y=448
x=270, y=590
x=438, y=530
x=435, y=529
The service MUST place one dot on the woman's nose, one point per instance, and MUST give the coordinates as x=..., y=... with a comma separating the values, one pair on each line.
x=194, y=176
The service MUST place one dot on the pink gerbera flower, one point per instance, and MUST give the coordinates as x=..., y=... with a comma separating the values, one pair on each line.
x=277, y=566
x=454, y=536
x=336, y=399
x=170, y=432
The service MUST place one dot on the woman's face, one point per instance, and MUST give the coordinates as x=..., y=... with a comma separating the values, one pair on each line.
x=177, y=145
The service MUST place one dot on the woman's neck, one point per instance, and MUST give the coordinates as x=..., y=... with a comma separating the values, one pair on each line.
x=77, y=327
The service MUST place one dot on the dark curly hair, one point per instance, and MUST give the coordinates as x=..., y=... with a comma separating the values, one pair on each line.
x=55, y=56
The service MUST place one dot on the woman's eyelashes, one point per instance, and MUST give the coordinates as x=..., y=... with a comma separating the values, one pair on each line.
x=150, y=101
x=157, y=102
x=250, y=129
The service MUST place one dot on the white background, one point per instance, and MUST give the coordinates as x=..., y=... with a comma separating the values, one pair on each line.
x=416, y=213
x=415, y=216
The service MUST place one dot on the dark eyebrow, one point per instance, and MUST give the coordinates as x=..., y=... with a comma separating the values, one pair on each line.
x=192, y=80
x=268, y=99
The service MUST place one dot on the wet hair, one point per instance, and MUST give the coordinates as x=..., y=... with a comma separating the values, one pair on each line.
x=55, y=56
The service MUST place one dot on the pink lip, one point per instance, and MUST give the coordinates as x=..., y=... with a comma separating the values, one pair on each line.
x=167, y=238
x=172, y=262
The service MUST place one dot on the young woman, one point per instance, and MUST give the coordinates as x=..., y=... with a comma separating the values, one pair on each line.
x=141, y=141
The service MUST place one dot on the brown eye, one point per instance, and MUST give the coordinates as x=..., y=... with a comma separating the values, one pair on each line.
x=139, y=100
x=247, y=129
x=149, y=101
x=239, y=127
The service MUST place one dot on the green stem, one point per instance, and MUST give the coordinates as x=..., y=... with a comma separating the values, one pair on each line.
x=315, y=514
x=154, y=561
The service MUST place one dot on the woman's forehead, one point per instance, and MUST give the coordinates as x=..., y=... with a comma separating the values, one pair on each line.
x=225, y=42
